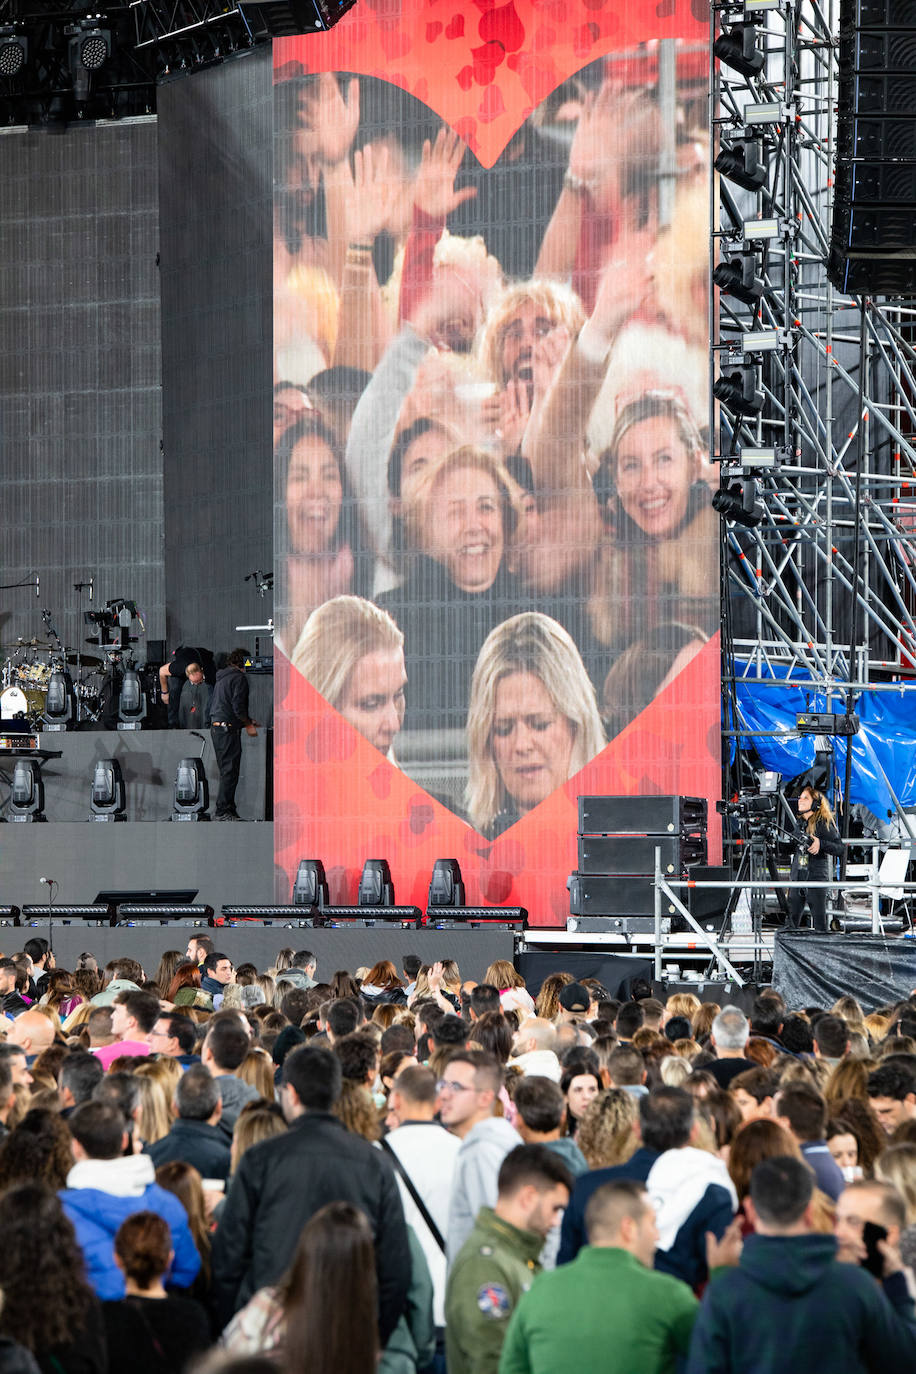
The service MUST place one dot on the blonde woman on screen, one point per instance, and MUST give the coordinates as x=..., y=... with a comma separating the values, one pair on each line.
x=353, y=654
x=532, y=723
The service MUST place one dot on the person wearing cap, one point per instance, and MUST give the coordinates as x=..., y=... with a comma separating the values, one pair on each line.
x=575, y=1001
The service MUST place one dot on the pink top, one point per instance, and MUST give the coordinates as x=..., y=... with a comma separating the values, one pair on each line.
x=106, y=1054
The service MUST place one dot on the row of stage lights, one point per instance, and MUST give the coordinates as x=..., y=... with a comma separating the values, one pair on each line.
x=107, y=794
x=310, y=905
x=740, y=275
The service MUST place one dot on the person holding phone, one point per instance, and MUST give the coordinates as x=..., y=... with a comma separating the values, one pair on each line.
x=870, y=1216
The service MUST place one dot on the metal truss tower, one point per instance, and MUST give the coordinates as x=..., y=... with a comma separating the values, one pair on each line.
x=813, y=394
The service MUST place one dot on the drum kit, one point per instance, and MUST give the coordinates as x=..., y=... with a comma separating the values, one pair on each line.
x=26, y=672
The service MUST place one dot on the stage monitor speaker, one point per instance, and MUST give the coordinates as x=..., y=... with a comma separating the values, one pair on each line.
x=641, y=815
x=594, y=895
x=636, y=853
x=873, y=239
x=151, y=896
x=136, y=913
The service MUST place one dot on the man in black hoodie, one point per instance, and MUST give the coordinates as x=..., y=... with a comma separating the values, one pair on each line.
x=791, y=1304
x=228, y=717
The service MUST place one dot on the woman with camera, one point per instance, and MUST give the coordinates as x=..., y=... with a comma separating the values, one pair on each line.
x=817, y=842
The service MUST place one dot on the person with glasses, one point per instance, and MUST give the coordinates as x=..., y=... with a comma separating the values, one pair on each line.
x=468, y=1090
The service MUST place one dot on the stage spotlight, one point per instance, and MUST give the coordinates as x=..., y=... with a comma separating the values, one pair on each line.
x=192, y=792
x=27, y=794
x=737, y=48
x=59, y=704
x=131, y=701
x=736, y=277
x=91, y=46
x=106, y=799
x=375, y=885
x=311, y=885
x=738, y=392
x=739, y=503
x=445, y=886
x=741, y=164
x=14, y=52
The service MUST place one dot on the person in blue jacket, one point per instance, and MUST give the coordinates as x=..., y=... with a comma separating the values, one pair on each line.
x=105, y=1186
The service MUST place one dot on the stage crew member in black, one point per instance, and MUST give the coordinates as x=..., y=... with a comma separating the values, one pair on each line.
x=228, y=717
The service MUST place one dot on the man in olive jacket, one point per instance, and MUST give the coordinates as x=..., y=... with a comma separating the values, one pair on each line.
x=500, y=1257
x=609, y=1311
x=280, y=1184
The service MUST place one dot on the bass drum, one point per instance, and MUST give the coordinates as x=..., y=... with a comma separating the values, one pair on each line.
x=16, y=704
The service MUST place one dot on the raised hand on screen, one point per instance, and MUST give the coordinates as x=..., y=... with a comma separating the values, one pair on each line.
x=374, y=194
x=335, y=118
x=434, y=188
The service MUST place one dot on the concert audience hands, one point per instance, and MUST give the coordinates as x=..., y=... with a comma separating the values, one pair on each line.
x=434, y=187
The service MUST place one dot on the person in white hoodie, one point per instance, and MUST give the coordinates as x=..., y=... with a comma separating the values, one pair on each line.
x=468, y=1093
x=690, y=1188
x=534, y=1049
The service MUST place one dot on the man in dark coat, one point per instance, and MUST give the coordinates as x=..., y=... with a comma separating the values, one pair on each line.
x=280, y=1184
x=196, y=1137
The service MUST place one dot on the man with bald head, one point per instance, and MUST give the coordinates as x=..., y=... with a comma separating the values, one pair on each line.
x=608, y=1310
x=33, y=1032
x=534, y=1049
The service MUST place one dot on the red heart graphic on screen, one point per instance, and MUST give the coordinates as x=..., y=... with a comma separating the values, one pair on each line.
x=488, y=69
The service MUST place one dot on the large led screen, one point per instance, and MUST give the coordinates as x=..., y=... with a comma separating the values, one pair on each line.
x=496, y=561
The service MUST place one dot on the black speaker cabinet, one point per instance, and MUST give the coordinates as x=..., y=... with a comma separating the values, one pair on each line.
x=873, y=240
x=641, y=815
x=636, y=853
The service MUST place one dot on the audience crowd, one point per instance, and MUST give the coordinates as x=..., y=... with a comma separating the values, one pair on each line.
x=223, y=1169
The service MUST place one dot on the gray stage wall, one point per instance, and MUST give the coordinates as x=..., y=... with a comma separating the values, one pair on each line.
x=224, y=862
x=149, y=760
x=216, y=213
x=473, y=950
x=81, y=473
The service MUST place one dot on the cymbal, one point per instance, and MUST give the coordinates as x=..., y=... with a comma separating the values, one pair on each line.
x=85, y=660
x=33, y=643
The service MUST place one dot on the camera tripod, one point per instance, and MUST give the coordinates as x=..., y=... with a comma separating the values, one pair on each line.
x=759, y=867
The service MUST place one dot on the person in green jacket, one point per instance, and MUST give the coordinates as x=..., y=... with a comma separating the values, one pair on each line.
x=501, y=1257
x=609, y=1311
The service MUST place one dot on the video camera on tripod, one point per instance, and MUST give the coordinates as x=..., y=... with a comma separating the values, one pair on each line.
x=113, y=623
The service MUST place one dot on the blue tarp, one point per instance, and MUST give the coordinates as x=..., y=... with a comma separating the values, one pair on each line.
x=883, y=751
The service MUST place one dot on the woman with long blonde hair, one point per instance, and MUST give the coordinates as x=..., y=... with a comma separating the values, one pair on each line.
x=533, y=720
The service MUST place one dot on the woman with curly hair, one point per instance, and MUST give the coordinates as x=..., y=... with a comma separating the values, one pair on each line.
x=39, y=1150
x=48, y=1305
x=607, y=1131
x=547, y=1004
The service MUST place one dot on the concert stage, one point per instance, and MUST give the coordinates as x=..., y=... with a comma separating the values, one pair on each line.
x=815, y=970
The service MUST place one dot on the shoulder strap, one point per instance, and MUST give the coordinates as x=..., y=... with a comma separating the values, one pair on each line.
x=420, y=1204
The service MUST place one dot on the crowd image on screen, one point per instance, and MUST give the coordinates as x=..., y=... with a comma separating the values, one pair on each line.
x=402, y=1167
x=491, y=401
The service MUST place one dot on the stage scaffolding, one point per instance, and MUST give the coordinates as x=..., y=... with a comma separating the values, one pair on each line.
x=825, y=584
